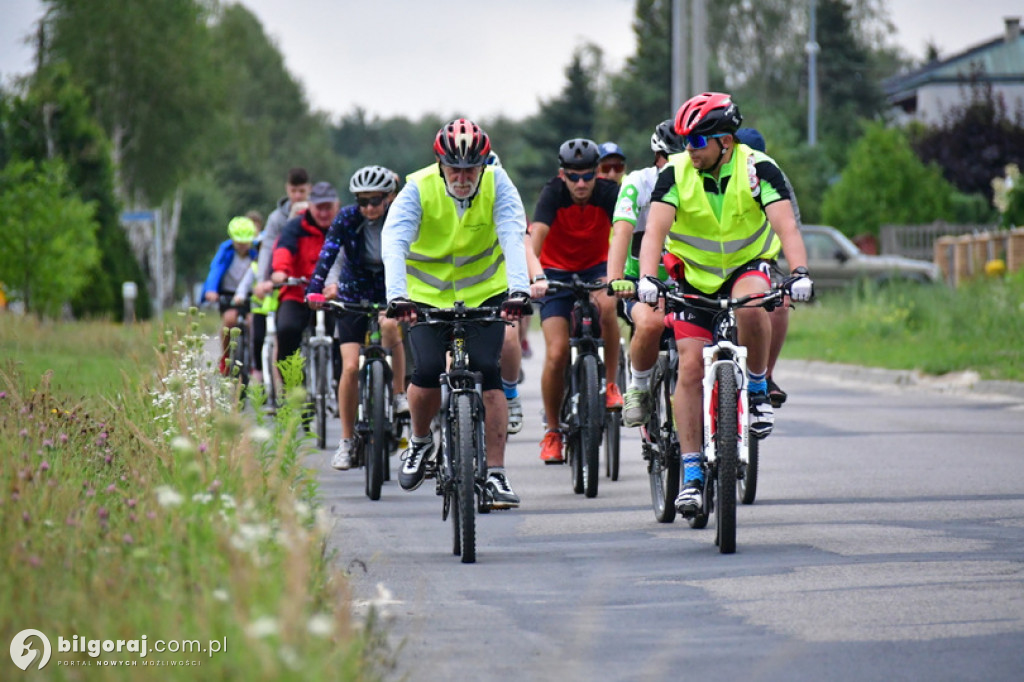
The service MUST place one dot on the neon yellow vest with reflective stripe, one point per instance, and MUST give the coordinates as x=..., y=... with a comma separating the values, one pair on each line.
x=266, y=305
x=714, y=248
x=455, y=259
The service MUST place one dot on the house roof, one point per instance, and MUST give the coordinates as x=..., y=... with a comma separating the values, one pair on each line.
x=994, y=61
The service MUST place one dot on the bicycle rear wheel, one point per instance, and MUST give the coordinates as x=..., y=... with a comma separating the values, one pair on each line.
x=746, y=483
x=321, y=386
x=727, y=457
x=591, y=419
x=375, y=401
x=663, y=469
x=463, y=456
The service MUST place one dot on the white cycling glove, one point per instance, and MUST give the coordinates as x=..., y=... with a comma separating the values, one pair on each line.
x=801, y=289
x=647, y=291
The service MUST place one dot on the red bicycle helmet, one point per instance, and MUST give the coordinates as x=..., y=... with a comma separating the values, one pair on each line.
x=707, y=114
x=462, y=144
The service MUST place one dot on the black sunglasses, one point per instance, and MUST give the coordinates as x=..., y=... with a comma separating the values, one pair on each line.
x=370, y=201
x=576, y=177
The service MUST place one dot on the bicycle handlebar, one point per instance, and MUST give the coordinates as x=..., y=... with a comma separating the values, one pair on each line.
x=460, y=313
x=362, y=308
x=578, y=286
x=755, y=300
x=292, y=282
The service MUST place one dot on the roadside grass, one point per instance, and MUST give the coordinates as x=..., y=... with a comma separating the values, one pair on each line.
x=150, y=506
x=935, y=329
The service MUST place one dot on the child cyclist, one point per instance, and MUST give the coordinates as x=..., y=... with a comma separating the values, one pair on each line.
x=227, y=270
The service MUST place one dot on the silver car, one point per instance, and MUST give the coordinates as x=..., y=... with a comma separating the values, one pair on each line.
x=835, y=262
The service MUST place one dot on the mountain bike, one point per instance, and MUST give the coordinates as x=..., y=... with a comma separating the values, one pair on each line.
x=582, y=413
x=659, y=443
x=318, y=362
x=377, y=430
x=726, y=455
x=238, y=360
x=462, y=462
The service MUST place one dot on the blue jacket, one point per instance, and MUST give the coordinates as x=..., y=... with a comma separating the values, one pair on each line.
x=221, y=263
x=358, y=280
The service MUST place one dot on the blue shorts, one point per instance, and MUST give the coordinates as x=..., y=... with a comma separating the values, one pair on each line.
x=559, y=303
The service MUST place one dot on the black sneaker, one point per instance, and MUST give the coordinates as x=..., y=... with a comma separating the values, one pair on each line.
x=776, y=394
x=501, y=493
x=414, y=466
x=690, y=500
x=762, y=416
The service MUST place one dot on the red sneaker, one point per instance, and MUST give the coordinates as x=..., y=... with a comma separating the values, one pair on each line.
x=551, y=448
x=613, y=397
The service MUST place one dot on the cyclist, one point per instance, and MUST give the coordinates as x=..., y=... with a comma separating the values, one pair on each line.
x=723, y=212
x=611, y=163
x=297, y=187
x=357, y=231
x=227, y=270
x=780, y=316
x=570, y=231
x=455, y=232
x=257, y=318
x=295, y=255
x=624, y=269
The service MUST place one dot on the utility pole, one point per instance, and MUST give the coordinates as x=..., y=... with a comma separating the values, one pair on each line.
x=699, y=47
x=812, y=48
x=680, y=36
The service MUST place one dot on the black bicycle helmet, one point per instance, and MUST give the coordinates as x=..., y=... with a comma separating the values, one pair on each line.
x=666, y=140
x=708, y=113
x=578, y=153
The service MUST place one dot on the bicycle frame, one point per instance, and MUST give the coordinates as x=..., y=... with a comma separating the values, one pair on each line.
x=724, y=352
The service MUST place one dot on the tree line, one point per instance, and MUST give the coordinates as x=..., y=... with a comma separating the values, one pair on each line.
x=187, y=106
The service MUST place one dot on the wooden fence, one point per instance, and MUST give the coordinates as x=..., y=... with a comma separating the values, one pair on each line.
x=962, y=257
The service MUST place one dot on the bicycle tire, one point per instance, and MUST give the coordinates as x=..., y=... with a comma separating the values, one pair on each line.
x=269, y=371
x=570, y=441
x=613, y=427
x=377, y=449
x=321, y=384
x=591, y=419
x=663, y=468
x=746, y=485
x=727, y=458
x=464, y=465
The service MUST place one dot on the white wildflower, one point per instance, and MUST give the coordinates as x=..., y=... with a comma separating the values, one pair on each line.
x=220, y=594
x=202, y=498
x=262, y=627
x=260, y=434
x=320, y=625
x=166, y=496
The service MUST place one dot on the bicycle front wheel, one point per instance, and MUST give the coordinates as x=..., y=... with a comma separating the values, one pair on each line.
x=375, y=403
x=592, y=416
x=464, y=450
x=663, y=469
x=727, y=455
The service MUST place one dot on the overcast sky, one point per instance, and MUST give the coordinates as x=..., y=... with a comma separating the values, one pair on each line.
x=480, y=58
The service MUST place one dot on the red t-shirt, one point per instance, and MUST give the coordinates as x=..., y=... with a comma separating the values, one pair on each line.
x=297, y=251
x=579, y=234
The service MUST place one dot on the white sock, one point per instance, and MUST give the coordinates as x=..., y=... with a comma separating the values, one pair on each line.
x=640, y=380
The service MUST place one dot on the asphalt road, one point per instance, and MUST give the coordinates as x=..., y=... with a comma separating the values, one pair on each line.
x=887, y=543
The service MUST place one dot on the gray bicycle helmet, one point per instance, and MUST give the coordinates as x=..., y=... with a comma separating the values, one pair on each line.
x=665, y=139
x=579, y=153
x=373, y=179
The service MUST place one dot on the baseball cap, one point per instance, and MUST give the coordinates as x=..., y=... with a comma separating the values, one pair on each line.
x=751, y=137
x=610, y=149
x=322, y=193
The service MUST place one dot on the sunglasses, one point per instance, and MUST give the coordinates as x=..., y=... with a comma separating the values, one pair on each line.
x=585, y=177
x=370, y=201
x=614, y=167
x=701, y=141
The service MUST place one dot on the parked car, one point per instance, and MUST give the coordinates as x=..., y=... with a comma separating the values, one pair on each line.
x=834, y=262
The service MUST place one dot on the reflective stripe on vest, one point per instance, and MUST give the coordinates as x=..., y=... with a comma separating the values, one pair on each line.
x=455, y=259
x=714, y=248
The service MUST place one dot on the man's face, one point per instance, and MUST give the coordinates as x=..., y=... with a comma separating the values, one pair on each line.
x=580, y=182
x=242, y=248
x=461, y=182
x=706, y=158
x=297, y=193
x=373, y=204
x=323, y=213
x=612, y=167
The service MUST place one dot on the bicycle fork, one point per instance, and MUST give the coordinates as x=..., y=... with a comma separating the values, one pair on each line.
x=724, y=353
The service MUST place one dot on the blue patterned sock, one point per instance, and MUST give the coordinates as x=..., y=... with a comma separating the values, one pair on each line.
x=757, y=383
x=692, y=470
x=511, y=389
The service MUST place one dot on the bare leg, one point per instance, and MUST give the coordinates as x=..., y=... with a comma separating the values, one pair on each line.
x=552, y=382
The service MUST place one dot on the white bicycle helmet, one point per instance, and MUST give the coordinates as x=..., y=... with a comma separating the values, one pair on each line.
x=373, y=179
